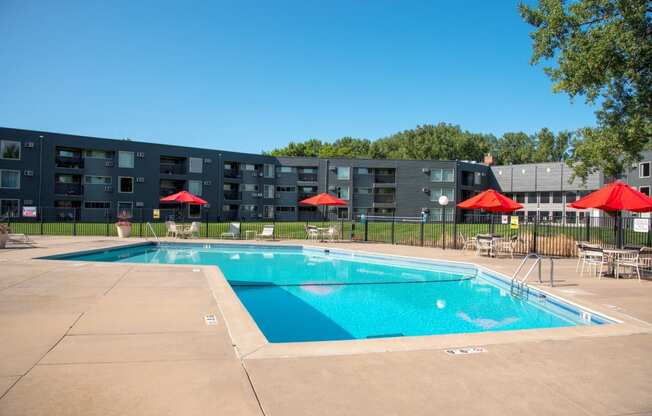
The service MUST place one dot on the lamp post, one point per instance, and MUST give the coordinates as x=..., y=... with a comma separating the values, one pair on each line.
x=443, y=201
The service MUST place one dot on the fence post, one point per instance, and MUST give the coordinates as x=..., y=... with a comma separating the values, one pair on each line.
x=535, y=233
x=43, y=215
x=74, y=221
x=206, y=220
x=587, y=232
x=393, y=228
x=454, y=228
x=443, y=228
x=649, y=236
x=366, y=230
x=106, y=220
x=342, y=228
x=421, y=225
x=142, y=222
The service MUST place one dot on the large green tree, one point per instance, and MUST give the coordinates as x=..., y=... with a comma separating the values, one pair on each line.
x=600, y=50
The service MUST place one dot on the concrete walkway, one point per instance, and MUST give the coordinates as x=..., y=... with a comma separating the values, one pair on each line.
x=118, y=339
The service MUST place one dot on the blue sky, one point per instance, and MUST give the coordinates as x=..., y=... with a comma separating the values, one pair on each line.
x=254, y=75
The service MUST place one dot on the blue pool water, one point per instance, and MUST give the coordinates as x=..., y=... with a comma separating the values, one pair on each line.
x=299, y=294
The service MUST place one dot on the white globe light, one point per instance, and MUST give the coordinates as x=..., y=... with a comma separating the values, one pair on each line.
x=443, y=200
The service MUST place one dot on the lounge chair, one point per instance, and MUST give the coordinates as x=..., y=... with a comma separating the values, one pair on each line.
x=331, y=233
x=312, y=232
x=629, y=261
x=596, y=260
x=268, y=233
x=485, y=244
x=18, y=238
x=234, y=231
x=193, y=231
x=506, y=246
x=468, y=242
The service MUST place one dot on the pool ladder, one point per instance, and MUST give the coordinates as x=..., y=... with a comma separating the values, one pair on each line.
x=150, y=228
x=519, y=286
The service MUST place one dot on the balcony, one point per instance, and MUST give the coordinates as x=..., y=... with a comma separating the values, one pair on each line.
x=385, y=179
x=69, y=162
x=232, y=174
x=68, y=189
x=172, y=169
x=232, y=195
x=307, y=177
x=384, y=199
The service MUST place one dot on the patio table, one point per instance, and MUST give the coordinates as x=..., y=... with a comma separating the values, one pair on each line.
x=613, y=255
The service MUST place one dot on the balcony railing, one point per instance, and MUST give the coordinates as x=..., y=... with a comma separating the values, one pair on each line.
x=307, y=177
x=385, y=179
x=232, y=195
x=68, y=162
x=71, y=189
x=384, y=199
x=232, y=173
x=163, y=192
x=172, y=169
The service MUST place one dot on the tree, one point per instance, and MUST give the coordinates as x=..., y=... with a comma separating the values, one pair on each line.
x=551, y=147
x=603, y=52
x=515, y=148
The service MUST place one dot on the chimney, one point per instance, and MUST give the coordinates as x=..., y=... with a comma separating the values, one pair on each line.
x=488, y=159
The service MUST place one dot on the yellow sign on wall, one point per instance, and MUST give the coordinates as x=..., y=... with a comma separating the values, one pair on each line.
x=156, y=214
x=513, y=224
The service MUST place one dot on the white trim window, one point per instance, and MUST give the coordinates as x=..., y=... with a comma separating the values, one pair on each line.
x=9, y=150
x=268, y=211
x=9, y=208
x=250, y=187
x=195, y=165
x=195, y=187
x=269, y=171
x=644, y=169
x=343, y=173
x=442, y=175
x=268, y=191
x=98, y=154
x=285, y=169
x=9, y=179
x=436, y=193
x=125, y=184
x=125, y=209
x=125, y=159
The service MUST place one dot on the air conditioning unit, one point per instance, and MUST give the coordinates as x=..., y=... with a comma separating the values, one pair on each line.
x=425, y=190
x=260, y=215
x=208, y=183
x=29, y=145
x=425, y=170
x=108, y=189
x=140, y=155
x=28, y=202
x=331, y=188
x=208, y=160
x=207, y=205
x=140, y=204
x=108, y=163
x=28, y=173
x=140, y=179
x=257, y=195
x=261, y=174
x=333, y=168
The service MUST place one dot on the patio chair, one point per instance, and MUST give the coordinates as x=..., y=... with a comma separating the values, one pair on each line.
x=171, y=229
x=268, y=233
x=193, y=231
x=628, y=261
x=331, y=233
x=506, y=246
x=596, y=260
x=468, y=242
x=645, y=259
x=486, y=245
x=19, y=238
x=582, y=247
x=234, y=231
x=312, y=232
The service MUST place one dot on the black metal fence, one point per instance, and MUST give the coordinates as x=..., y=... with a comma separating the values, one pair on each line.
x=554, y=236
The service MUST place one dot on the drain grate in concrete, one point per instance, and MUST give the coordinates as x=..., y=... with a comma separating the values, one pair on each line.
x=467, y=350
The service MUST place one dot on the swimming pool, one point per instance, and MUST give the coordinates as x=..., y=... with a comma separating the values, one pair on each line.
x=298, y=294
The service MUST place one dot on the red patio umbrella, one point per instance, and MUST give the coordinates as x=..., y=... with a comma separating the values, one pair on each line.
x=492, y=201
x=323, y=199
x=616, y=196
x=184, y=197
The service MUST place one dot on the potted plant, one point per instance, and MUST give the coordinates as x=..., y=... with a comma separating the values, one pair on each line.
x=4, y=235
x=123, y=226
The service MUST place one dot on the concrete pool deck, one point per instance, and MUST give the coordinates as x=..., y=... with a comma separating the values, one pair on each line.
x=120, y=339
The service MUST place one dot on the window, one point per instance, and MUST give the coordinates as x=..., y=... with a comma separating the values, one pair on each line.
x=250, y=187
x=644, y=170
x=125, y=159
x=268, y=191
x=126, y=184
x=343, y=192
x=195, y=165
x=268, y=211
x=194, y=211
x=249, y=167
x=9, y=179
x=544, y=197
x=436, y=193
x=570, y=197
x=532, y=197
x=285, y=209
x=285, y=169
x=286, y=189
x=97, y=180
x=519, y=197
x=268, y=171
x=9, y=150
x=342, y=213
x=228, y=166
x=437, y=212
x=249, y=208
x=59, y=178
x=98, y=154
x=125, y=209
x=477, y=178
x=97, y=204
x=343, y=173
x=195, y=187
x=442, y=175
x=556, y=197
x=362, y=171
x=644, y=190
x=9, y=208
x=308, y=170
x=363, y=191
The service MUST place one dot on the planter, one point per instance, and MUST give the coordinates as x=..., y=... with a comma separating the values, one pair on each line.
x=3, y=240
x=124, y=231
